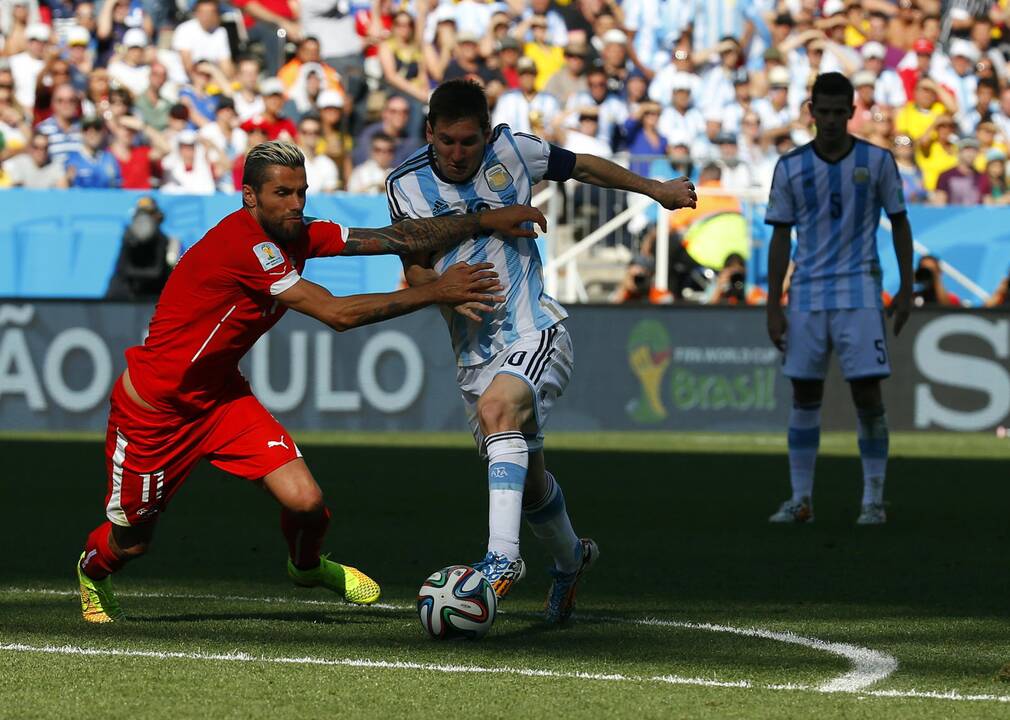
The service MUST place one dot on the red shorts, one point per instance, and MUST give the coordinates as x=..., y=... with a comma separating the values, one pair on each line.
x=148, y=453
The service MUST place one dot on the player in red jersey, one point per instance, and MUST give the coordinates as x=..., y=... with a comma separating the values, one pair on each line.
x=183, y=398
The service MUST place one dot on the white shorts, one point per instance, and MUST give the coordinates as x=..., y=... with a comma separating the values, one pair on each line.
x=544, y=361
x=857, y=336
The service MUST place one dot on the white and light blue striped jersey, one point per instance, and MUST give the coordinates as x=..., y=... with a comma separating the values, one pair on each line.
x=512, y=165
x=835, y=207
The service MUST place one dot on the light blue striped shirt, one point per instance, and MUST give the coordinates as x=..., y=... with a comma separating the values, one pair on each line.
x=835, y=207
x=512, y=165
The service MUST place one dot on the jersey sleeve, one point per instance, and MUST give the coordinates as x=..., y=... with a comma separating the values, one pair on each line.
x=264, y=267
x=545, y=161
x=400, y=207
x=781, y=208
x=889, y=189
x=326, y=238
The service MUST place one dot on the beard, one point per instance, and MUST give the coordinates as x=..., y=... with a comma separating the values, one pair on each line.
x=281, y=231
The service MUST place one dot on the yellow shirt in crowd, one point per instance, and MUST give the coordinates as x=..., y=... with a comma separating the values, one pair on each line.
x=914, y=122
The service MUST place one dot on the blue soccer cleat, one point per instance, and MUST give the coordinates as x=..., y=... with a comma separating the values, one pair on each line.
x=561, y=596
x=501, y=572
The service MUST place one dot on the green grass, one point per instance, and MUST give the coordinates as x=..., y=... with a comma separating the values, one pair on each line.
x=680, y=520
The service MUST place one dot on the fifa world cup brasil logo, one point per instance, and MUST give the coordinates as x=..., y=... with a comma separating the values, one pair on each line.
x=649, y=354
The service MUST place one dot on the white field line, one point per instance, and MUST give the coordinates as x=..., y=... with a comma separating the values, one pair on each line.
x=869, y=666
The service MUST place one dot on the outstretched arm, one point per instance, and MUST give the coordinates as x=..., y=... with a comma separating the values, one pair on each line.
x=901, y=307
x=673, y=194
x=432, y=235
x=778, y=264
x=459, y=284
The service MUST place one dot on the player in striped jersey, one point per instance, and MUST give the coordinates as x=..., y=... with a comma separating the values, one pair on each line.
x=833, y=190
x=514, y=360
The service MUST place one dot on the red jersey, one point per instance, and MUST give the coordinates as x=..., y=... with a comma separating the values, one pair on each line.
x=218, y=301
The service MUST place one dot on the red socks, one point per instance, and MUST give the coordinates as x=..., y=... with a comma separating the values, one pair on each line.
x=99, y=560
x=304, y=533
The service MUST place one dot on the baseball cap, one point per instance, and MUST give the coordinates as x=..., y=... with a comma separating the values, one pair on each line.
x=526, y=65
x=773, y=53
x=725, y=138
x=682, y=81
x=576, y=49
x=255, y=124
x=613, y=35
x=467, y=37
x=38, y=31
x=78, y=35
x=589, y=111
x=186, y=137
x=832, y=7
x=508, y=43
x=863, y=78
x=873, y=49
x=329, y=99
x=922, y=46
x=445, y=13
x=965, y=49
x=92, y=122
x=968, y=142
x=271, y=86
x=779, y=77
x=994, y=154
x=135, y=37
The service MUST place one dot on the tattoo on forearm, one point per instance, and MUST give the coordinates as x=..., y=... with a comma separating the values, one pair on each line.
x=424, y=235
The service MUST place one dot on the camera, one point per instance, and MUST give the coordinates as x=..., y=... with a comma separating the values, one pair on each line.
x=737, y=285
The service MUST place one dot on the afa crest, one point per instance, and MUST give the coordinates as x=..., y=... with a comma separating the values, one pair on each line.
x=861, y=175
x=497, y=177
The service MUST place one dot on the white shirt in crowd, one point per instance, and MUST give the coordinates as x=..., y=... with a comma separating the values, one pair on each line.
x=514, y=110
x=202, y=45
x=369, y=178
x=135, y=79
x=321, y=174
x=25, y=70
x=180, y=180
x=681, y=129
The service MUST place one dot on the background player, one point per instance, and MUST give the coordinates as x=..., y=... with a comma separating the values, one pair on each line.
x=183, y=398
x=515, y=360
x=832, y=190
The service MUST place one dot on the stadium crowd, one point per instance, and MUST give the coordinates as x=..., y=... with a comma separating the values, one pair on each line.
x=138, y=94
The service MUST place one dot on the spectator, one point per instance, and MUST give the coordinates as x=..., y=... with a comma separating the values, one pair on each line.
x=131, y=69
x=985, y=106
x=1001, y=296
x=256, y=130
x=224, y=133
x=96, y=97
x=79, y=54
x=557, y=29
x=402, y=63
x=642, y=137
x=929, y=287
x=27, y=65
x=995, y=172
x=62, y=127
x=248, y=101
x=370, y=176
x=55, y=72
x=203, y=94
x=936, y=151
x=337, y=142
x=615, y=60
x=110, y=29
x=912, y=183
x=92, y=166
x=146, y=258
x=304, y=94
x=986, y=136
x=680, y=122
x=467, y=62
x=865, y=102
x=960, y=74
x=15, y=19
x=735, y=174
x=549, y=58
x=308, y=53
x=570, y=79
x=14, y=127
x=439, y=51
x=152, y=105
x=139, y=162
x=320, y=171
x=525, y=109
x=508, y=54
x=393, y=123
x=270, y=23
x=203, y=38
x=584, y=138
x=678, y=74
x=277, y=125
x=739, y=105
x=887, y=87
x=187, y=168
x=611, y=111
x=962, y=184
x=35, y=169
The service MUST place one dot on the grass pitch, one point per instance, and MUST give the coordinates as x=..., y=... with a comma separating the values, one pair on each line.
x=217, y=631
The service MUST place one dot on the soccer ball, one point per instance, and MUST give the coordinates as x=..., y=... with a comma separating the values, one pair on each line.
x=456, y=602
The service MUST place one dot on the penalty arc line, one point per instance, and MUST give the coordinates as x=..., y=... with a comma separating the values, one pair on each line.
x=869, y=666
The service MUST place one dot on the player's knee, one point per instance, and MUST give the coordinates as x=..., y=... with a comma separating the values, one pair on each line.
x=866, y=394
x=497, y=415
x=807, y=392
x=306, y=501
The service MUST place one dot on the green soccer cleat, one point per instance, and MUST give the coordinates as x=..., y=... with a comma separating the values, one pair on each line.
x=348, y=582
x=98, y=601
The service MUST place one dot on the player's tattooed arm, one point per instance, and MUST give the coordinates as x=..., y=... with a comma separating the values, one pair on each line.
x=432, y=235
